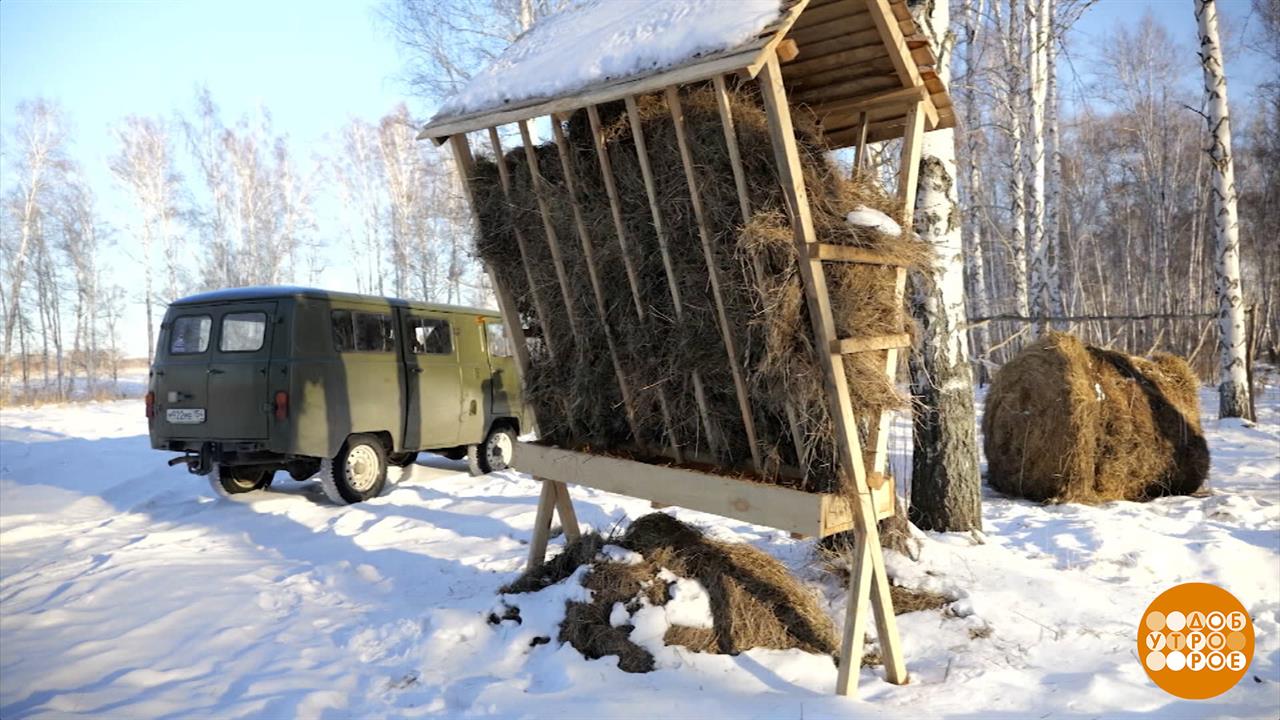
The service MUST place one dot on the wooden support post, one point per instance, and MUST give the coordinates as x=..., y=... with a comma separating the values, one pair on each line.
x=504, y=177
x=744, y=204
x=620, y=228
x=564, y=508
x=542, y=525
x=909, y=167
x=589, y=258
x=553, y=242
x=845, y=427
x=673, y=284
x=713, y=273
x=880, y=457
x=860, y=154
x=506, y=303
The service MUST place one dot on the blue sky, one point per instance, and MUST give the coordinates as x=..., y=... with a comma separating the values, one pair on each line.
x=313, y=64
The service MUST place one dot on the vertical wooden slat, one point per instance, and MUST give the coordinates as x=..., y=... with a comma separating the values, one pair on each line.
x=504, y=177
x=860, y=154
x=744, y=205
x=615, y=205
x=506, y=303
x=837, y=385
x=553, y=242
x=673, y=285
x=620, y=228
x=589, y=258
x=713, y=274
x=909, y=167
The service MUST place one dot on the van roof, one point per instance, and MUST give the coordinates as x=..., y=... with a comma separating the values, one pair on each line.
x=278, y=292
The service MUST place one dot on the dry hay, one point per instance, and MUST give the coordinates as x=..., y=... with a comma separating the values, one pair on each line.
x=1069, y=423
x=755, y=602
x=572, y=384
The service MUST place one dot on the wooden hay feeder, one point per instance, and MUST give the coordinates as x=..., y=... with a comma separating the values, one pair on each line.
x=861, y=68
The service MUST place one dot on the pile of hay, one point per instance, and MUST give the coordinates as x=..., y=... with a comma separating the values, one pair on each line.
x=754, y=601
x=572, y=384
x=1069, y=423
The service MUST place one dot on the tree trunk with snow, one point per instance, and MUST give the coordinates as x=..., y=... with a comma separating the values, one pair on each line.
x=1233, y=387
x=945, y=482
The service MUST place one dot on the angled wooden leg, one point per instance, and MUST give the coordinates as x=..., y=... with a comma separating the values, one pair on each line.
x=854, y=616
x=564, y=507
x=542, y=525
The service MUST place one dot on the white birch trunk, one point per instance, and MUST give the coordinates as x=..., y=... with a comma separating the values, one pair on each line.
x=945, y=484
x=1037, y=16
x=1233, y=388
x=977, y=298
x=1053, y=203
x=1013, y=60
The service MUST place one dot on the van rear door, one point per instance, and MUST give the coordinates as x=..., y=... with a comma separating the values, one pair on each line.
x=181, y=373
x=238, y=406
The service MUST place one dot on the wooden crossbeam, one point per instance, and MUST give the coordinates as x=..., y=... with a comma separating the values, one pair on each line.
x=846, y=346
x=660, y=229
x=870, y=579
x=713, y=274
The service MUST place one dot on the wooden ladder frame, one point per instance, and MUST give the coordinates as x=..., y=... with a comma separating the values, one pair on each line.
x=869, y=582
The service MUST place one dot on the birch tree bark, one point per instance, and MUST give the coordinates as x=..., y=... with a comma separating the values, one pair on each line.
x=1011, y=44
x=1233, y=387
x=945, y=482
x=974, y=195
x=1037, y=247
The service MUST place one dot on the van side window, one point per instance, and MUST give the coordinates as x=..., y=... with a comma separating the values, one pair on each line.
x=374, y=332
x=344, y=334
x=431, y=336
x=242, y=332
x=499, y=341
x=363, y=332
x=190, y=334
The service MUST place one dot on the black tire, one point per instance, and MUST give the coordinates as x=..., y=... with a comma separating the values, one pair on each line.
x=228, y=481
x=404, y=459
x=357, y=473
x=494, y=454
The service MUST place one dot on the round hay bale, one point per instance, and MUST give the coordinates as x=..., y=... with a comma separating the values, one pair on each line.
x=1065, y=422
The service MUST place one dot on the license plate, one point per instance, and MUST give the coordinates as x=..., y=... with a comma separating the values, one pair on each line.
x=184, y=416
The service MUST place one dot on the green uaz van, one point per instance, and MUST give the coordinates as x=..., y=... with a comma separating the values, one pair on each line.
x=250, y=381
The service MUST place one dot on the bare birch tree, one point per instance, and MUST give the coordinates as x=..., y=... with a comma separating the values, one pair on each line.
x=39, y=138
x=945, y=482
x=145, y=167
x=1233, y=386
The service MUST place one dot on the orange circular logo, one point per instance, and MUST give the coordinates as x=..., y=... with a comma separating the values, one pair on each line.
x=1195, y=641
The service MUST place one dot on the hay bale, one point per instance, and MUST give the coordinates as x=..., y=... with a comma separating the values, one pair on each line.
x=1065, y=422
x=572, y=385
x=754, y=601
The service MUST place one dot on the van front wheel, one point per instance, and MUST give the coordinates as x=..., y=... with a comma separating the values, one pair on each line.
x=495, y=453
x=357, y=473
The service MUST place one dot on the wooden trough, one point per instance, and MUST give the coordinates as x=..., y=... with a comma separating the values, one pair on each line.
x=862, y=69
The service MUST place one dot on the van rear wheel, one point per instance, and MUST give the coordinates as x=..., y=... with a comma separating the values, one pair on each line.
x=227, y=481
x=357, y=473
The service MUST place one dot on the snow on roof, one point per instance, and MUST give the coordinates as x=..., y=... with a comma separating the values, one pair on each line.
x=606, y=40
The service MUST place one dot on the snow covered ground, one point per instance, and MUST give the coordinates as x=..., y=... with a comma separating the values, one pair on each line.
x=128, y=590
